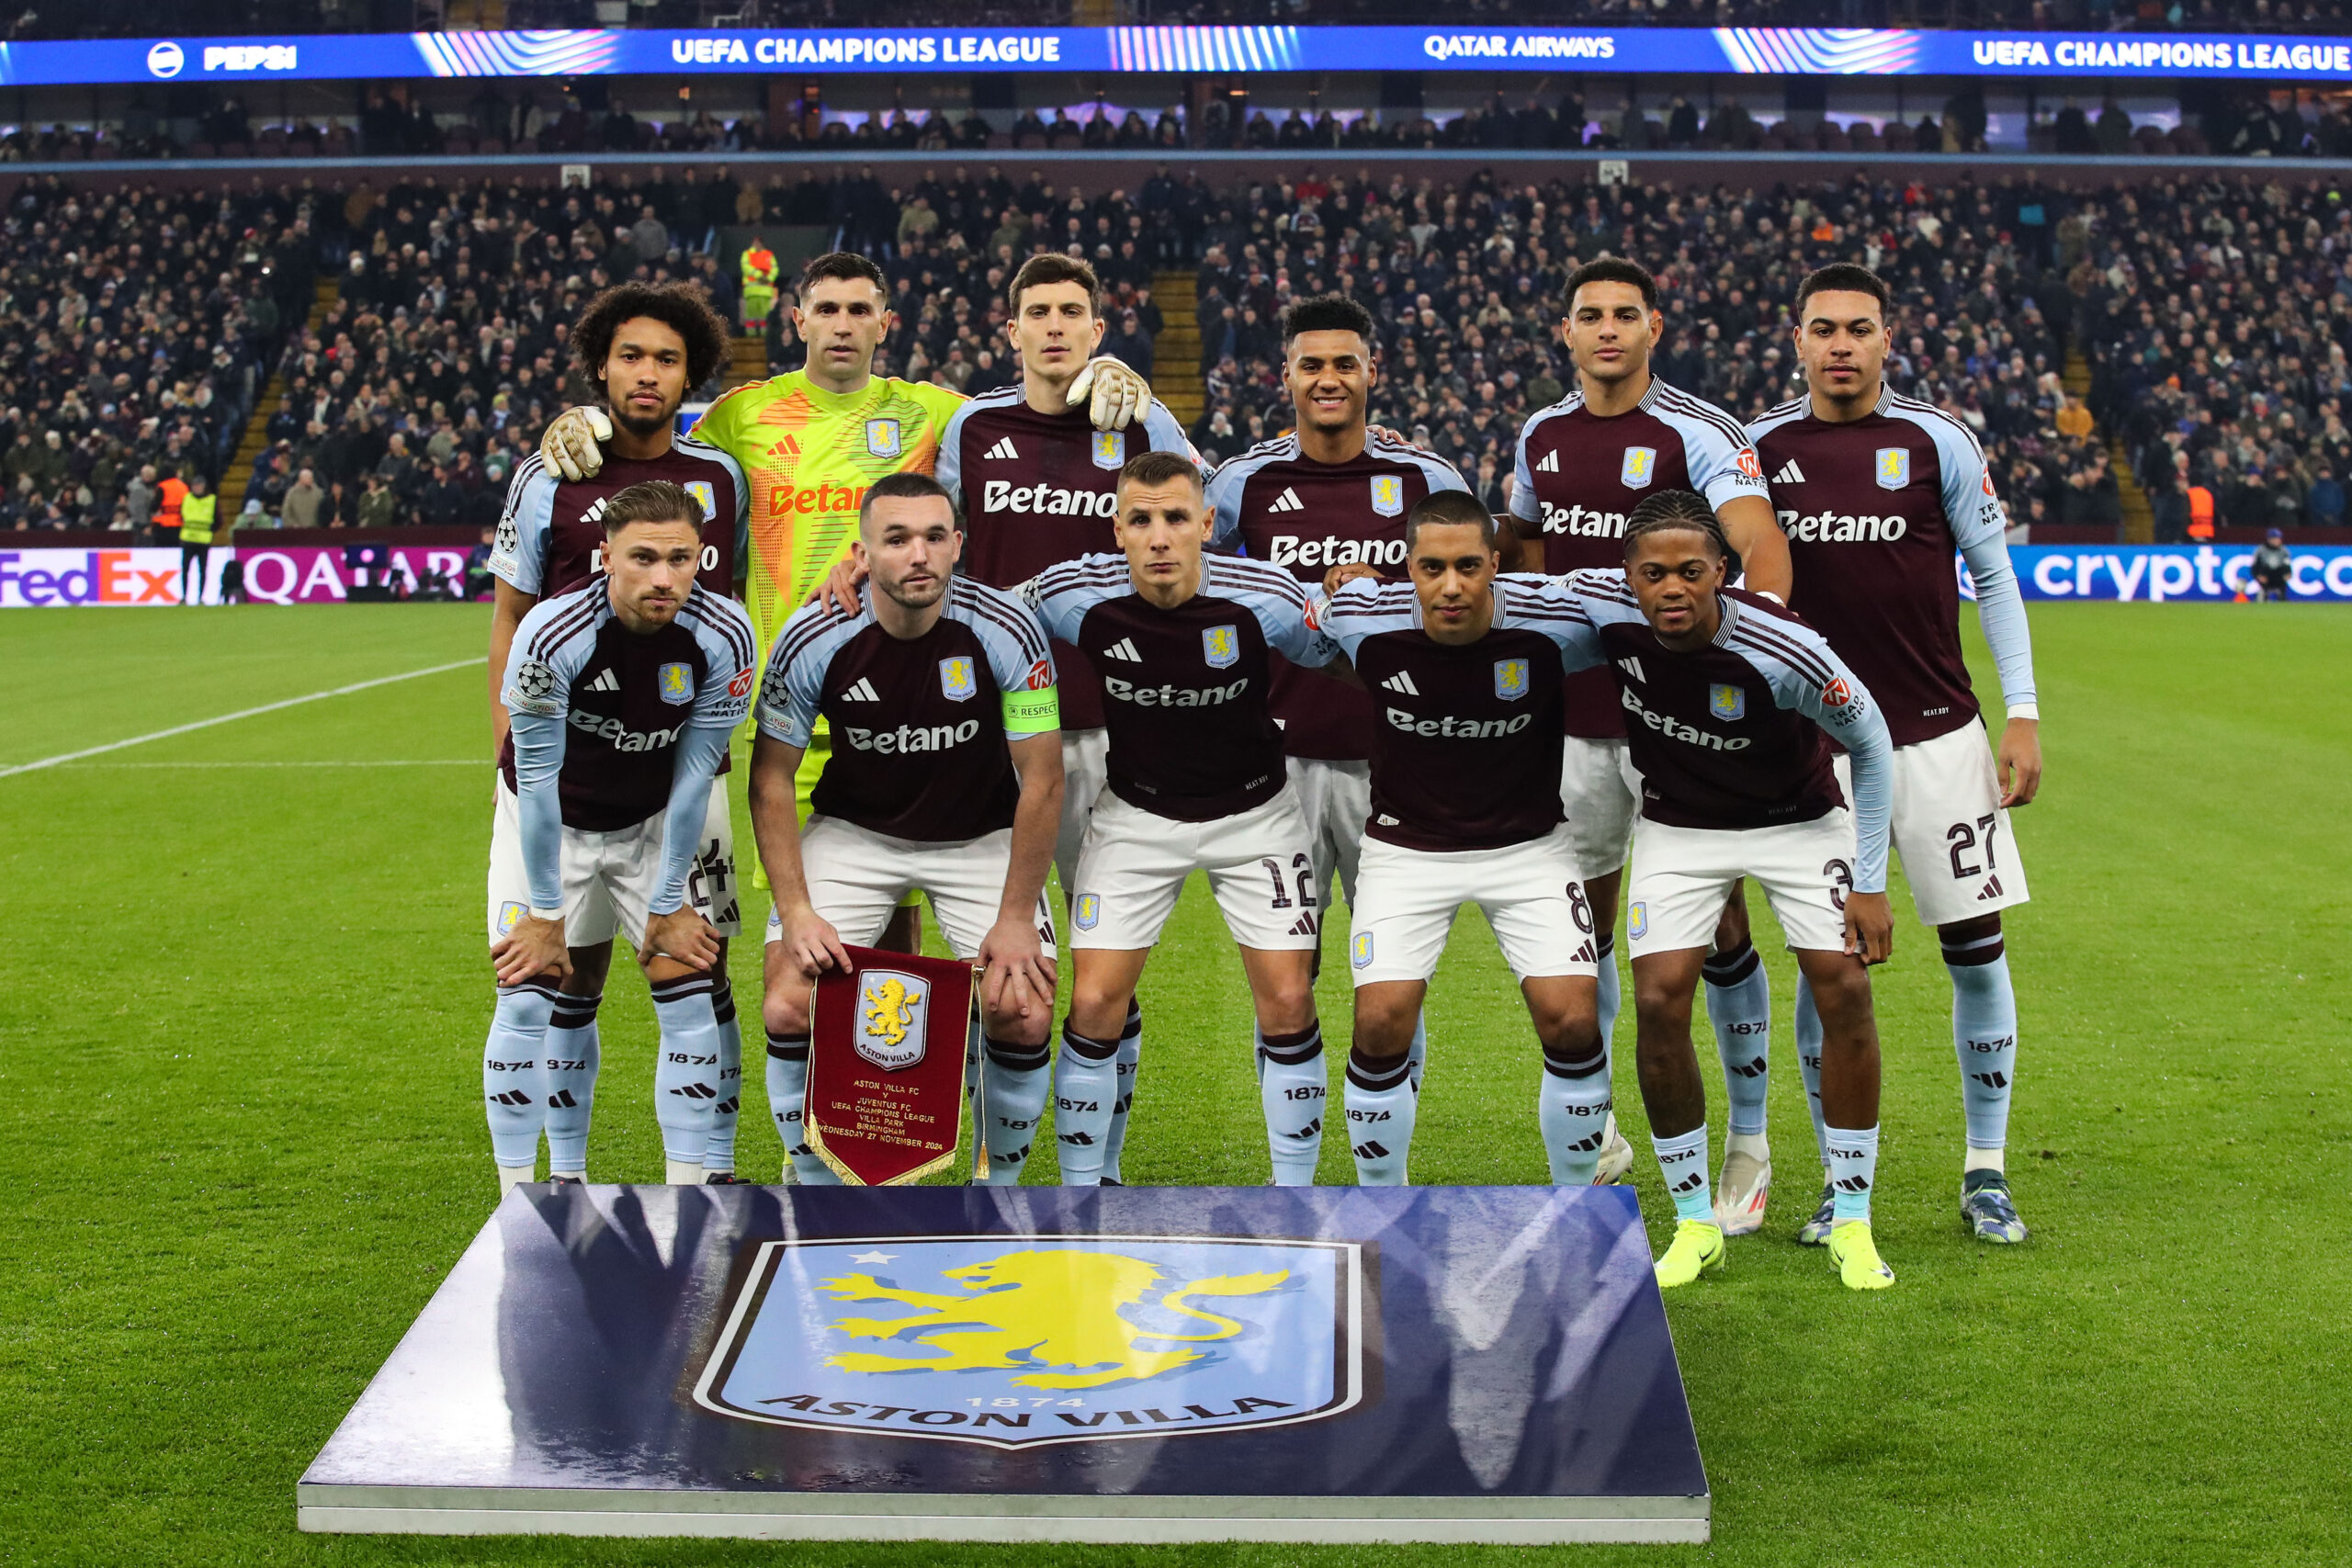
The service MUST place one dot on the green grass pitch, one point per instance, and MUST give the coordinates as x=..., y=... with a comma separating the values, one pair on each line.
x=239, y=1038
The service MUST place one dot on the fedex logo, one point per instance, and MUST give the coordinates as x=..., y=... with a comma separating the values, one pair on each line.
x=50, y=577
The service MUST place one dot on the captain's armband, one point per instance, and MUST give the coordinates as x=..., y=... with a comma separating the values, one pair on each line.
x=1035, y=711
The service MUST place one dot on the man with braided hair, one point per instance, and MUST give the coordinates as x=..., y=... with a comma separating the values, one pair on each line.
x=1730, y=705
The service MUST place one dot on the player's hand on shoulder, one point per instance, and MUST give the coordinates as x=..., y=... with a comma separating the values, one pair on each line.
x=533, y=947
x=1111, y=391
x=1869, y=927
x=2021, y=762
x=811, y=941
x=683, y=935
x=1394, y=437
x=840, y=589
x=1339, y=577
x=570, y=446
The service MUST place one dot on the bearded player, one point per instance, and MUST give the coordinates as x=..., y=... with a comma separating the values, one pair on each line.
x=1330, y=493
x=1037, y=485
x=1875, y=492
x=622, y=694
x=644, y=346
x=1584, y=464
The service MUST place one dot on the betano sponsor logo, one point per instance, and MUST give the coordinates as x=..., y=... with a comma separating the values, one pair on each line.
x=826, y=500
x=622, y=737
x=1449, y=727
x=1289, y=549
x=908, y=739
x=1173, y=697
x=1047, y=501
x=1839, y=528
x=1584, y=522
x=1675, y=729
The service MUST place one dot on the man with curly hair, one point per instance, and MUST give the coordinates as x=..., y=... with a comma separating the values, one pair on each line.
x=647, y=347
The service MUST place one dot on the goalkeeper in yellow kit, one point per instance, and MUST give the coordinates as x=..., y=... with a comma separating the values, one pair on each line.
x=810, y=441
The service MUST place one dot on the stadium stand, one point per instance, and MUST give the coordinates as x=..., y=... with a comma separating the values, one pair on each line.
x=2117, y=345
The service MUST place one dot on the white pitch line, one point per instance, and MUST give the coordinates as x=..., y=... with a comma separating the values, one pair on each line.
x=380, y=763
x=227, y=717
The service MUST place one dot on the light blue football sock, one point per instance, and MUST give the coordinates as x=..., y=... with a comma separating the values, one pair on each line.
x=1808, y=1033
x=1985, y=1034
x=513, y=1081
x=685, y=1074
x=1853, y=1169
x=1416, y=1055
x=1605, y=952
x=719, y=1153
x=1013, y=1105
x=573, y=1056
x=1739, y=1005
x=1292, y=1090
x=1683, y=1160
x=1130, y=1060
x=1380, y=1104
x=787, y=1104
x=1086, y=1088
x=1572, y=1106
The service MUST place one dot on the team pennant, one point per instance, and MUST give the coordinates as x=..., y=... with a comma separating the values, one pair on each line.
x=886, y=1067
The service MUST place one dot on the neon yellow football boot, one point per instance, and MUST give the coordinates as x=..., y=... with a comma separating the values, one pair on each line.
x=1856, y=1257
x=1698, y=1248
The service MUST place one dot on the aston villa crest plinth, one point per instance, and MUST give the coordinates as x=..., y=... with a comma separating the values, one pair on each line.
x=1140, y=1364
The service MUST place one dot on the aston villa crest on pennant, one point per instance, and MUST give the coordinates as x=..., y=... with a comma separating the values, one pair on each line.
x=1387, y=495
x=1016, y=1342
x=892, y=1006
x=882, y=437
x=1893, y=467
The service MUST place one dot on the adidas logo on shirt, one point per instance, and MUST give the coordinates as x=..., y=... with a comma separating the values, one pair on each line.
x=1287, y=501
x=860, y=691
x=1401, y=682
x=1003, y=449
x=1551, y=463
x=605, y=681
x=1790, y=474
x=1123, y=649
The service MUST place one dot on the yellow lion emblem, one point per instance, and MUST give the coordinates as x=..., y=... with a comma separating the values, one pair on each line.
x=1058, y=1313
x=888, y=1012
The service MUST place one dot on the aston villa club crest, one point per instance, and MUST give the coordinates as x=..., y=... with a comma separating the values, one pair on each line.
x=1110, y=449
x=1388, y=495
x=1893, y=467
x=1510, y=679
x=1727, y=703
x=1639, y=468
x=1020, y=1342
x=882, y=437
x=705, y=497
x=1221, y=646
x=676, y=683
x=1359, y=949
x=892, y=1006
x=1089, y=912
x=955, y=680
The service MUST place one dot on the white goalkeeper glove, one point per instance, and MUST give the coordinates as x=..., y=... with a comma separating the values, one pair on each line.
x=1119, y=394
x=570, y=447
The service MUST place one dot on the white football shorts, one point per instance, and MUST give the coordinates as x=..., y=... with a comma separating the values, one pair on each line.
x=1530, y=893
x=1948, y=829
x=1601, y=795
x=1335, y=799
x=1133, y=867
x=1681, y=876
x=609, y=879
x=857, y=878
x=1085, y=768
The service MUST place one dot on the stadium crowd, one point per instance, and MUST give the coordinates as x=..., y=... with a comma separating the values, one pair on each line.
x=2214, y=315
